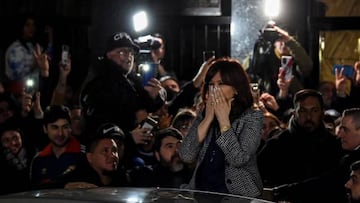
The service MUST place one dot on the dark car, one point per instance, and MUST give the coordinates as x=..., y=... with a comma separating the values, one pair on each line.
x=126, y=195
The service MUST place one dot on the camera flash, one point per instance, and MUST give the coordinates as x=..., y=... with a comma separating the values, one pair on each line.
x=146, y=67
x=29, y=82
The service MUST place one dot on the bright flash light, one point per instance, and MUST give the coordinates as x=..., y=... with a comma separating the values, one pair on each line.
x=145, y=38
x=133, y=200
x=145, y=67
x=29, y=82
x=140, y=21
x=272, y=8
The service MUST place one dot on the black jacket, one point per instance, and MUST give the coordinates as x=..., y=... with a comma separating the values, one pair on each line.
x=328, y=187
x=114, y=97
x=85, y=173
x=295, y=155
x=12, y=179
x=159, y=176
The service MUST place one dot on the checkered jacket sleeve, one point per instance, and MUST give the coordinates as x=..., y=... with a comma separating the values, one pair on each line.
x=239, y=145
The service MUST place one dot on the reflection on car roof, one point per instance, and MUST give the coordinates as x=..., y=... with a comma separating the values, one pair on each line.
x=126, y=195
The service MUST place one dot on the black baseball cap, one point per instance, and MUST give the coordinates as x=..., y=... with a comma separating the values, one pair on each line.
x=110, y=130
x=121, y=39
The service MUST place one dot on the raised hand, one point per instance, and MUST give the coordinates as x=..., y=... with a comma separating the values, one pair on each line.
x=284, y=34
x=269, y=101
x=141, y=135
x=42, y=61
x=38, y=112
x=340, y=82
x=65, y=69
x=26, y=103
x=283, y=84
x=198, y=80
x=153, y=87
x=357, y=73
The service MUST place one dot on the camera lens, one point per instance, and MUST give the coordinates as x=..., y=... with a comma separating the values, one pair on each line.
x=270, y=34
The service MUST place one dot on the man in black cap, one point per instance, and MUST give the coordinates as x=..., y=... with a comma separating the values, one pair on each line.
x=101, y=165
x=116, y=93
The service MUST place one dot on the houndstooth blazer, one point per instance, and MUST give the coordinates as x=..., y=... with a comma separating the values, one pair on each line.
x=239, y=145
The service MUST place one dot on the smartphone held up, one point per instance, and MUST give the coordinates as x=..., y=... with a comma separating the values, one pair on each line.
x=149, y=123
x=65, y=50
x=29, y=86
x=255, y=91
x=286, y=67
x=148, y=71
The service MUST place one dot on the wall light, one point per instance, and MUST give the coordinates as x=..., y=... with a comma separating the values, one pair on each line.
x=140, y=21
x=272, y=8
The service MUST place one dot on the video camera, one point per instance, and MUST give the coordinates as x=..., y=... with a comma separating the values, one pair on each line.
x=268, y=32
x=148, y=42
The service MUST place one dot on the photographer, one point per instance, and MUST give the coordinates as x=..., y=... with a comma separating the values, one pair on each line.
x=116, y=94
x=153, y=51
x=272, y=44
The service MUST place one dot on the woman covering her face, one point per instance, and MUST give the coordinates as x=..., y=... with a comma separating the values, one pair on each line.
x=225, y=136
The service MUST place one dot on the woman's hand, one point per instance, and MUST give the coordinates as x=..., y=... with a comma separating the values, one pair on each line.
x=42, y=61
x=209, y=105
x=222, y=106
x=209, y=115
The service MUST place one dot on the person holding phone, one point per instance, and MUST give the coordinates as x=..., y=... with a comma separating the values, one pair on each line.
x=346, y=98
x=116, y=93
x=59, y=95
x=24, y=58
x=267, y=56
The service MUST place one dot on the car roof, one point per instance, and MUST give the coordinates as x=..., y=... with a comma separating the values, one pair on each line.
x=124, y=194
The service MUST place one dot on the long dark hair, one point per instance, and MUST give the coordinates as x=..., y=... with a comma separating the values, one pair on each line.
x=232, y=74
x=20, y=24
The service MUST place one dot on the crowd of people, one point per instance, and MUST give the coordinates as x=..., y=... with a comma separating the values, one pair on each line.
x=217, y=132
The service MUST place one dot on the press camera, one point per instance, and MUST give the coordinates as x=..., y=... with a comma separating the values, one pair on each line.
x=268, y=32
